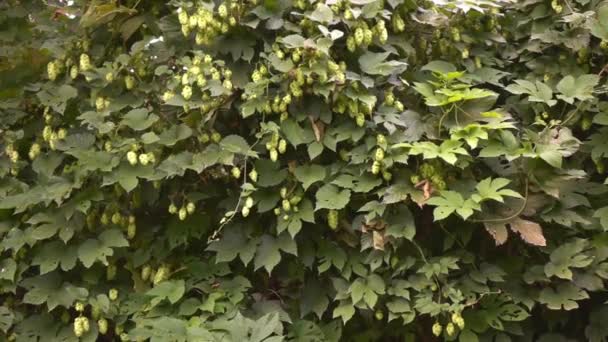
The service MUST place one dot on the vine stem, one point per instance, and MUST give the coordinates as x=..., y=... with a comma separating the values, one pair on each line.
x=571, y=115
x=517, y=213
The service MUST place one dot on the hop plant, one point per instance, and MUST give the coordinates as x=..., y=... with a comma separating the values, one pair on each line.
x=131, y=231
x=143, y=159
x=235, y=172
x=437, y=329
x=102, y=326
x=253, y=175
x=78, y=327
x=183, y=213
x=450, y=329
x=113, y=294
x=161, y=275
x=74, y=72
x=34, y=151
x=379, y=155
x=172, y=209
x=129, y=82
x=332, y=219
x=132, y=157
x=85, y=62
x=146, y=271
x=52, y=70
x=187, y=92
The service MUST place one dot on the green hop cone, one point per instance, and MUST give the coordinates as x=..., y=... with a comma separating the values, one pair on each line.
x=332, y=219
x=380, y=140
x=74, y=72
x=143, y=159
x=437, y=329
x=161, y=275
x=379, y=155
x=131, y=231
x=187, y=92
x=351, y=45
x=145, y=272
x=235, y=172
x=282, y=146
x=78, y=328
x=216, y=137
x=172, y=209
x=376, y=166
x=190, y=208
x=274, y=155
x=85, y=62
x=399, y=106
x=129, y=82
x=132, y=157
x=85, y=324
x=249, y=202
x=387, y=176
x=458, y=320
x=286, y=205
x=113, y=294
x=359, y=36
x=360, y=120
x=34, y=151
x=245, y=211
x=102, y=326
x=52, y=71
x=253, y=175
x=182, y=214
x=450, y=329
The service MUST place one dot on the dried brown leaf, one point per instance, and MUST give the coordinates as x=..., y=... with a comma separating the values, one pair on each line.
x=531, y=232
x=498, y=231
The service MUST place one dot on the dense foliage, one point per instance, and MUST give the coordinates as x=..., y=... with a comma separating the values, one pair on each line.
x=303, y=170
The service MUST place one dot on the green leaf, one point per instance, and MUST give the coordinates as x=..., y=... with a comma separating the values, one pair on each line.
x=295, y=134
x=99, y=249
x=331, y=197
x=538, y=92
x=174, y=134
x=53, y=254
x=8, y=268
x=232, y=243
x=309, y=174
x=467, y=336
x=267, y=254
x=345, y=310
x=173, y=290
x=322, y=14
x=451, y=201
x=236, y=144
x=139, y=119
x=564, y=296
x=375, y=64
x=602, y=214
x=448, y=150
x=580, y=88
x=49, y=288
x=6, y=318
x=440, y=67
x=599, y=26
x=493, y=189
x=566, y=256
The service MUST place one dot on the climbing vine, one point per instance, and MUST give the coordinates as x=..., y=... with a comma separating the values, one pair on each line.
x=278, y=170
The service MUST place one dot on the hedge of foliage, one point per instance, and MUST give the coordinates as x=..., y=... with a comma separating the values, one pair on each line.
x=303, y=170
